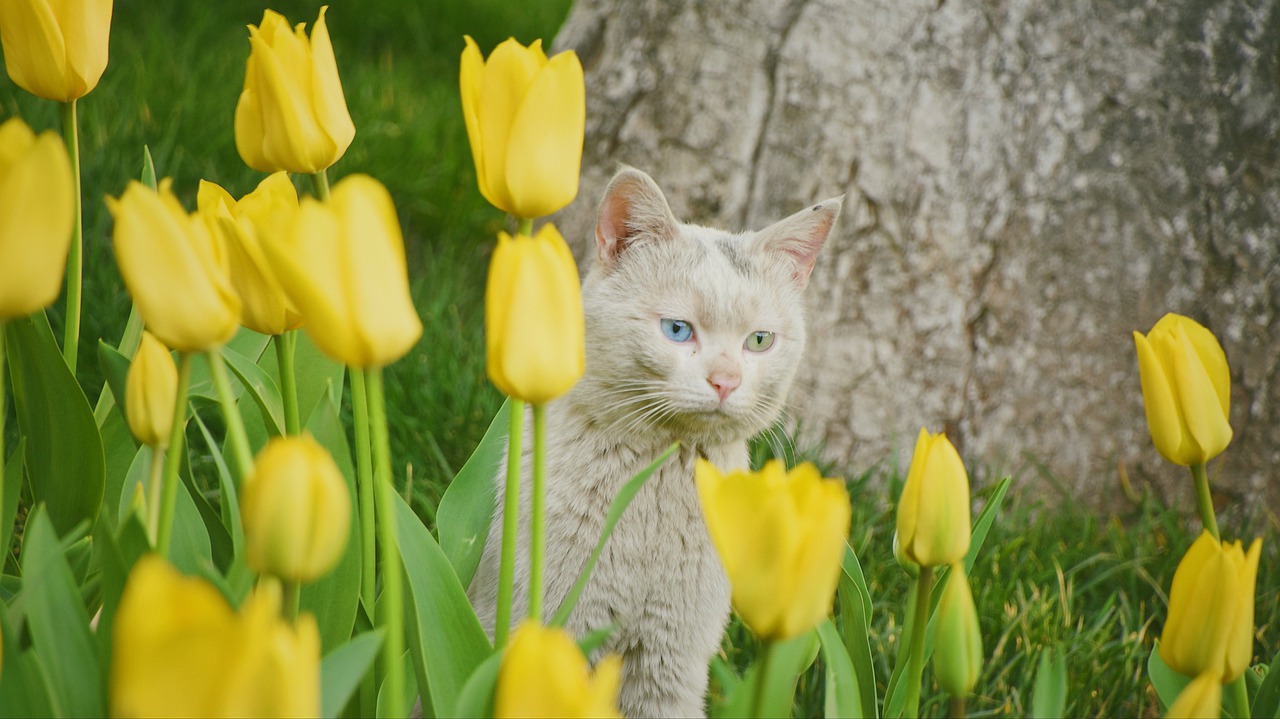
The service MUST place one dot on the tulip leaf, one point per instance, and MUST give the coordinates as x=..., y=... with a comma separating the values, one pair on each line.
x=118, y=549
x=115, y=370
x=58, y=622
x=261, y=388
x=64, y=456
x=119, y=449
x=468, y=503
x=895, y=698
x=246, y=343
x=476, y=699
x=616, y=508
x=855, y=616
x=449, y=641
x=24, y=683
x=1049, y=698
x=1266, y=701
x=787, y=660
x=11, y=494
x=842, y=683
x=316, y=376
x=225, y=533
x=342, y=669
x=1167, y=682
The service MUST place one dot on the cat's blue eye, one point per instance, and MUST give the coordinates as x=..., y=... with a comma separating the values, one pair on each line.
x=758, y=341
x=677, y=330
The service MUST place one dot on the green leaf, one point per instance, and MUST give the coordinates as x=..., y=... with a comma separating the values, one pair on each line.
x=1168, y=683
x=11, y=494
x=115, y=370
x=120, y=448
x=468, y=503
x=981, y=526
x=450, y=642
x=225, y=532
x=616, y=508
x=476, y=698
x=842, y=682
x=24, y=683
x=855, y=618
x=64, y=450
x=317, y=377
x=261, y=389
x=1049, y=698
x=895, y=698
x=246, y=343
x=1266, y=701
x=787, y=661
x=58, y=622
x=342, y=669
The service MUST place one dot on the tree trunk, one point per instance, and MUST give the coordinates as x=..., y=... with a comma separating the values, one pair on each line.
x=1027, y=183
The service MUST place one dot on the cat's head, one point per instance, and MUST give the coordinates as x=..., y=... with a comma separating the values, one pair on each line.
x=693, y=333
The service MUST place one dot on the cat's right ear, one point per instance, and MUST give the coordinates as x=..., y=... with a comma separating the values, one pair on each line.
x=633, y=211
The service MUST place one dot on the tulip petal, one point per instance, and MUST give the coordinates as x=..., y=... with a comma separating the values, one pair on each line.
x=504, y=83
x=326, y=88
x=86, y=29
x=249, y=131
x=1202, y=412
x=293, y=140
x=1163, y=415
x=35, y=53
x=1202, y=609
x=307, y=263
x=544, y=151
x=36, y=214
x=824, y=507
x=1211, y=357
x=1240, y=643
x=469, y=84
x=1199, y=699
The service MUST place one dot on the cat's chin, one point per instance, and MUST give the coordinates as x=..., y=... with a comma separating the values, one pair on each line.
x=714, y=427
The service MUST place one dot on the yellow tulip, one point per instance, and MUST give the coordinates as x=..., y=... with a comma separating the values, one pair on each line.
x=292, y=114
x=933, y=512
x=525, y=117
x=1210, y=624
x=296, y=510
x=1201, y=699
x=544, y=674
x=151, y=392
x=56, y=50
x=1186, y=389
x=781, y=538
x=957, y=654
x=180, y=650
x=37, y=205
x=342, y=265
x=265, y=212
x=176, y=269
x=534, y=329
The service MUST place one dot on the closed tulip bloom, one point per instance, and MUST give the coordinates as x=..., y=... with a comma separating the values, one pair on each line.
x=1210, y=624
x=180, y=650
x=342, y=265
x=525, y=117
x=957, y=654
x=37, y=207
x=1186, y=390
x=1201, y=699
x=544, y=674
x=151, y=392
x=292, y=114
x=781, y=538
x=55, y=49
x=534, y=329
x=265, y=212
x=296, y=510
x=933, y=512
x=176, y=269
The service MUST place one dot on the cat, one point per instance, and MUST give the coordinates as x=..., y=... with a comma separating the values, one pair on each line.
x=692, y=335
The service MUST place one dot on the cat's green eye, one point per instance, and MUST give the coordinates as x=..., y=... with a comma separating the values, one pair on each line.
x=758, y=341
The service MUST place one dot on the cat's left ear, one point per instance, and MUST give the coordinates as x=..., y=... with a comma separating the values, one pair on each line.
x=798, y=238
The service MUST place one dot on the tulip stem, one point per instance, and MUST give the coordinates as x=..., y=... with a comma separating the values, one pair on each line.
x=155, y=489
x=392, y=580
x=537, y=529
x=1204, y=500
x=236, y=436
x=956, y=708
x=285, y=345
x=173, y=457
x=1240, y=697
x=71, y=331
x=524, y=226
x=290, y=599
x=320, y=184
x=762, y=680
x=510, y=525
x=364, y=489
x=3, y=410
x=919, y=627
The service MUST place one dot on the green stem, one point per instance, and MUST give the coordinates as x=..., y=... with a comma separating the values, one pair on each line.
x=75, y=256
x=173, y=458
x=919, y=627
x=364, y=493
x=392, y=574
x=537, y=529
x=510, y=525
x=320, y=183
x=762, y=681
x=524, y=227
x=236, y=436
x=1240, y=697
x=3, y=410
x=1204, y=500
x=956, y=708
x=290, y=599
x=285, y=344
x=155, y=488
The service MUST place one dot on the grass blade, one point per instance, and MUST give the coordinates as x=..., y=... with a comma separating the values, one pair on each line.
x=1049, y=698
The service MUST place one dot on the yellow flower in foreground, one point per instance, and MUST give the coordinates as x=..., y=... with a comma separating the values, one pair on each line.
x=151, y=392
x=933, y=512
x=957, y=640
x=1210, y=624
x=296, y=510
x=781, y=537
x=53, y=48
x=176, y=269
x=534, y=329
x=180, y=650
x=292, y=114
x=1186, y=389
x=525, y=117
x=36, y=210
x=543, y=674
x=1201, y=699
x=266, y=212
x=342, y=265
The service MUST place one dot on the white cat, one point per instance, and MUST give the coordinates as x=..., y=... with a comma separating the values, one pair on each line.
x=693, y=335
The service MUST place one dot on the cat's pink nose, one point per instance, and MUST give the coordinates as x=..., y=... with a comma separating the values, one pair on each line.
x=724, y=384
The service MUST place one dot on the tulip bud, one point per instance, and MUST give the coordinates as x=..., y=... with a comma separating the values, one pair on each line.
x=781, y=537
x=957, y=654
x=56, y=50
x=1210, y=624
x=37, y=205
x=534, y=327
x=296, y=509
x=544, y=674
x=1186, y=390
x=933, y=512
x=151, y=393
x=525, y=117
x=1201, y=699
x=292, y=114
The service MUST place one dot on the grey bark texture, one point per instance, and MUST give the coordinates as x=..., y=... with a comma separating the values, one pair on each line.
x=1027, y=182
